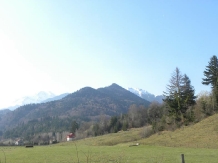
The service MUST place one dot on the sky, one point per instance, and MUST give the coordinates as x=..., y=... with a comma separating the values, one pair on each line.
x=62, y=46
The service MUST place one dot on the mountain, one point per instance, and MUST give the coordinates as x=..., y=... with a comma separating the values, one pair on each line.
x=146, y=95
x=38, y=98
x=10, y=108
x=4, y=111
x=86, y=103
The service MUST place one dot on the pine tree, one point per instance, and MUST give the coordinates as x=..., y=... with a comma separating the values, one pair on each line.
x=211, y=77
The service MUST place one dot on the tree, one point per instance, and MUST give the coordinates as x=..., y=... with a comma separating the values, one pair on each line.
x=155, y=112
x=188, y=93
x=204, y=104
x=74, y=126
x=211, y=77
x=96, y=129
x=137, y=115
x=173, y=95
x=179, y=95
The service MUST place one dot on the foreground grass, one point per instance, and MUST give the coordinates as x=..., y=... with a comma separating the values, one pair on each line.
x=72, y=153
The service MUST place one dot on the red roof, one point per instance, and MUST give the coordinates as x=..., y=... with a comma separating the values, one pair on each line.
x=71, y=135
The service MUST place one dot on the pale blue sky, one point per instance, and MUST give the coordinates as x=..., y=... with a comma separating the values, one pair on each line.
x=62, y=45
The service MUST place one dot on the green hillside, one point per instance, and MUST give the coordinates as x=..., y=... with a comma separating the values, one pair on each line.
x=201, y=135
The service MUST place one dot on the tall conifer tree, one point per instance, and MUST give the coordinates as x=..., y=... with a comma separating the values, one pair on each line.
x=180, y=94
x=211, y=77
x=173, y=95
x=188, y=93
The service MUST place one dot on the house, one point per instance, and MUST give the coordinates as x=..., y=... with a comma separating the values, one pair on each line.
x=19, y=142
x=70, y=137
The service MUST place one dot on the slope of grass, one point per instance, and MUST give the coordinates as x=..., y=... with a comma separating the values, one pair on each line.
x=114, y=138
x=201, y=135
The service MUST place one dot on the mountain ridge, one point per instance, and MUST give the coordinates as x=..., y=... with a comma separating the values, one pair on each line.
x=86, y=102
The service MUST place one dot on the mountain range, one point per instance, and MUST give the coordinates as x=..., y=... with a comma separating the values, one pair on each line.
x=43, y=97
x=146, y=95
x=86, y=103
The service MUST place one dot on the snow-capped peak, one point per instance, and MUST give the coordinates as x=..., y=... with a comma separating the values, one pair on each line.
x=145, y=95
x=138, y=91
x=37, y=98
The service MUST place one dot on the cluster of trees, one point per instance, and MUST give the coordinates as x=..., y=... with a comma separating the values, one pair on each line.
x=180, y=106
x=137, y=116
x=180, y=95
x=42, y=125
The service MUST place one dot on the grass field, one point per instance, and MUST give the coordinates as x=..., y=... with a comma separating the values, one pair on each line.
x=119, y=153
x=198, y=143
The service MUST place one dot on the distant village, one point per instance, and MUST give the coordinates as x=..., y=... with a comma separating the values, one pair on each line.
x=42, y=141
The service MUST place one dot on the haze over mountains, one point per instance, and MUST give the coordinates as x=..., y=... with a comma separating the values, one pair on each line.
x=37, y=98
x=146, y=95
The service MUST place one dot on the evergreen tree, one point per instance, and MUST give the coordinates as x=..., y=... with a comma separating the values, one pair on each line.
x=96, y=129
x=211, y=77
x=173, y=95
x=74, y=126
x=188, y=93
x=179, y=95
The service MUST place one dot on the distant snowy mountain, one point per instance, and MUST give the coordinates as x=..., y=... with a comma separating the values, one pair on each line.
x=38, y=98
x=146, y=95
x=56, y=98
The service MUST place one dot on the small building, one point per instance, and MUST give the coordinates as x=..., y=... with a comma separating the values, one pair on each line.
x=19, y=142
x=70, y=137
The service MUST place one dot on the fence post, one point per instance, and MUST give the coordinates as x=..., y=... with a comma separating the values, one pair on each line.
x=183, y=158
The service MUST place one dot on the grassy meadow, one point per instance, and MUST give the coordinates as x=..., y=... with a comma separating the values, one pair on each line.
x=197, y=142
x=118, y=153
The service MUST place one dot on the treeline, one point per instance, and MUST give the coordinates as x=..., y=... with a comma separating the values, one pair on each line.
x=137, y=116
x=42, y=125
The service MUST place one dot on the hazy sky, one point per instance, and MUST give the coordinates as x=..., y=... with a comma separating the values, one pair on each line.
x=64, y=45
